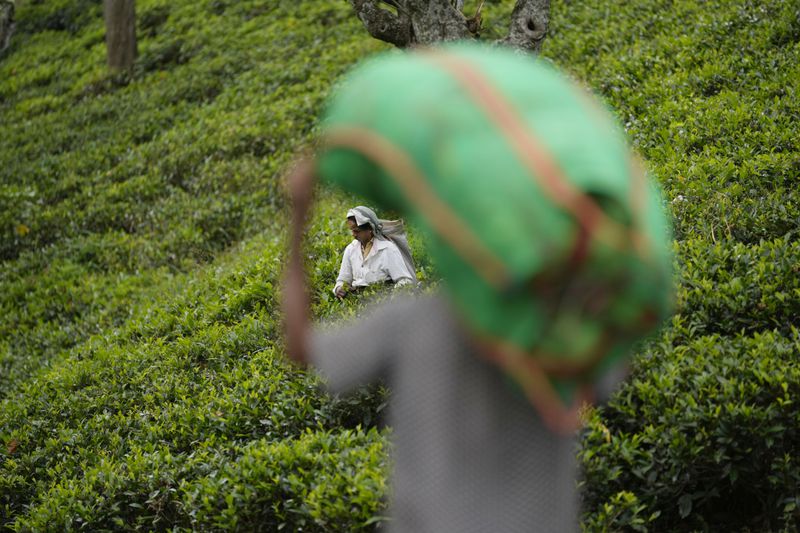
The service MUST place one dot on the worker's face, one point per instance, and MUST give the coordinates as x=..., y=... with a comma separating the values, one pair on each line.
x=361, y=235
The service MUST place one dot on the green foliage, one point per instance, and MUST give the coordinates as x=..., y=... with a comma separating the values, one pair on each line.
x=322, y=481
x=712, y=106
x=622, y=511
x=60, y=15
x=200, y=372
x=733, y=287
x=143, y=383
x=140, y=363
x=112, y=180
x=704, y=434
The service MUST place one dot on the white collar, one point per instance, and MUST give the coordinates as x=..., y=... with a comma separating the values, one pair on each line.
x=377, y=244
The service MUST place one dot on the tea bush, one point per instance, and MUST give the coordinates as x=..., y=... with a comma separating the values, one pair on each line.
x=140, y=359
x=143, y=382
x=322, y=481
x=704, y=435
x=732, y=287
x=160, y=170
x=200, y=372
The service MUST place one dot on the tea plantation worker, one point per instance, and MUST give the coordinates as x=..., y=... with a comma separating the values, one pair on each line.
x=552, y=247
x=373, y=256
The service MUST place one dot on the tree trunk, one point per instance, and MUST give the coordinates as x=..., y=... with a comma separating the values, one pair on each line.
x=435, y=21
x=529, y=22
x=405, y=23
x=120, y=19
x=6, y=23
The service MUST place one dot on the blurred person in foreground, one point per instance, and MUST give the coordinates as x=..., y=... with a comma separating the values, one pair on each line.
x=552, y=247
x=379, y=253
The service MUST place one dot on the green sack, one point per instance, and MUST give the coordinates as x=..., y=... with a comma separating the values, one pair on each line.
x=551, y=241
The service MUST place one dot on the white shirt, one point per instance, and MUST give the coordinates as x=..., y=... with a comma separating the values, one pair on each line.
x=383, y=263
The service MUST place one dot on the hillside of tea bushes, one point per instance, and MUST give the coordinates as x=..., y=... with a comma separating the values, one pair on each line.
x=143, y=384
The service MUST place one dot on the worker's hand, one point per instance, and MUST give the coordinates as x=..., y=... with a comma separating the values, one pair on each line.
x=341, y=292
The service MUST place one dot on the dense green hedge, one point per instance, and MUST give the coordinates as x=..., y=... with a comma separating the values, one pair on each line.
x=142, y=378
x=704, y=435
x=119, y=176
x=708, y=93
x=140, y=359
x=193, y=388
x=320, y=481
x=732, y=287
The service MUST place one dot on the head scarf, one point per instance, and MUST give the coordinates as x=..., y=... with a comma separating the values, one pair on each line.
x=551, y=242
x=365, y=215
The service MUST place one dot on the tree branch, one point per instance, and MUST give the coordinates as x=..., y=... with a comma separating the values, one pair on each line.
x=529, y=22
x=384, y=25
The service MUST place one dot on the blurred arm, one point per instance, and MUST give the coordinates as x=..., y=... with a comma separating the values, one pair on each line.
x=359, y=351
x=295, y=294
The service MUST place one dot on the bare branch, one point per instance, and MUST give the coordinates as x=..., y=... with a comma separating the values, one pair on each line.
x=384, y=25
x=529, y=22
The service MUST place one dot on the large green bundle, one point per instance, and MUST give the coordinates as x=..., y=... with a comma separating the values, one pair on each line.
x=550, y=240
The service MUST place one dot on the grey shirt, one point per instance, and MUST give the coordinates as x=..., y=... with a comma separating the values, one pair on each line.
x=469, y=452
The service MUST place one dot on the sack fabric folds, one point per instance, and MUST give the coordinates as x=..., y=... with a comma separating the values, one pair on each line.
x=550, y=239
